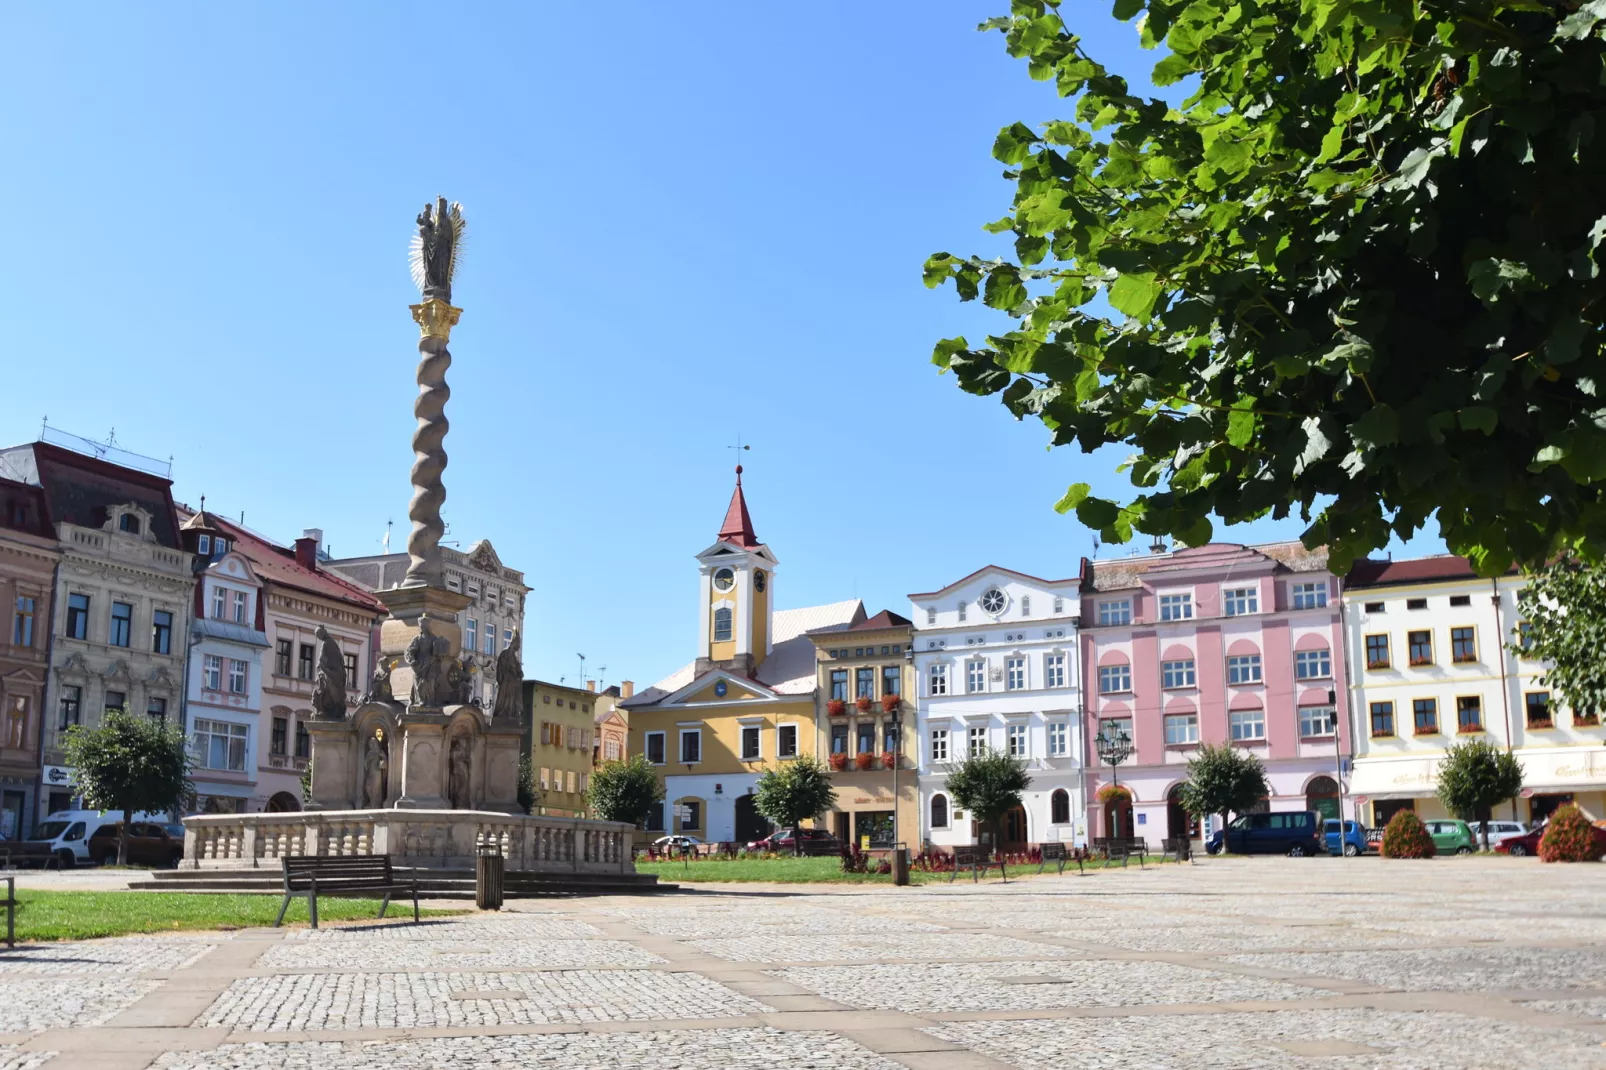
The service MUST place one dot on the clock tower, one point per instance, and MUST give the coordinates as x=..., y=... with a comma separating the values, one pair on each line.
x=736, y=594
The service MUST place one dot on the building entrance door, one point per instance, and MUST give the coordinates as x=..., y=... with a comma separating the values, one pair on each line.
x=750, y=824
x=1322, y=796
x=1015, y=835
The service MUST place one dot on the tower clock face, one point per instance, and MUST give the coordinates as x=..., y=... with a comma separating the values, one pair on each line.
x=759, y=580
x=724, y=579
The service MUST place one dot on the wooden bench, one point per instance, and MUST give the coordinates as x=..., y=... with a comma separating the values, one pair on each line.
x=351, y=876
x=15, y=853
x=11, y=906
x=1177, y=847
x=976, y=859
x=1122, y=847
x=1056, y=853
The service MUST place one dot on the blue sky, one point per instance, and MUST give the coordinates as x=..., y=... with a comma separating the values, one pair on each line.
x=686, y=223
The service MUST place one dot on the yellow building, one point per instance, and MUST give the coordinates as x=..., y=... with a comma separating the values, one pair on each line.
x=559, y=729
x=865, y=671
x=746, y=704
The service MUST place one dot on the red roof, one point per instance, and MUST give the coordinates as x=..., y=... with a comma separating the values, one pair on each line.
x=738, y=526
x=885, y=619
x=277, y=564
x=1371, y=573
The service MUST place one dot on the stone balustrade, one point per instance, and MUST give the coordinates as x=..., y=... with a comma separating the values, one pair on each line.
x=430, y=839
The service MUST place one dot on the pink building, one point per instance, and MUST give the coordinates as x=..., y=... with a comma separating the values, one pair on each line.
x=1213, y=643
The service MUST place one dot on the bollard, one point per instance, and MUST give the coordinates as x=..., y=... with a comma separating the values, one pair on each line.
x=900, y=865
x=488, y=877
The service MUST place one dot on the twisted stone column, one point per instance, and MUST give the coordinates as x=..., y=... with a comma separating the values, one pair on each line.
x=435, y=319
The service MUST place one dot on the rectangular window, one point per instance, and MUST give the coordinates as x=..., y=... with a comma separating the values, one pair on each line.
x=931, y=616
x=1240, y=601
x=240, y=601
x=471, y=633
x=78, y=616
x=1416, y=603
x=1310, y=595
x=72, y=698
x=975, y=677
x=691, y=746
x=507, y=638
x=722, y=624
x=1059, y=606
x=750, y=743
x=1116, y=727
x=864, y=683
x=891, y=680
x=236, y=676
x=281, y=736
x=655, y=747
x=939, y=744
x=122, y=628
x=571, y=780
x=1538, y=705
x=1178, y=673
x=1181, y=729
x=978, y=742
x=22, y=623
x=1116, y=611
x=1053, y=670
x=1014, y=674
x=1114, y=679
x=1377, y=651
x=352, y=682
x=212, y=673
x=1382, y=719
x=1017, y=741
x=1316, y=721
x=1243, y=669
x=489, y=646
x=1176, y=607
x=204, y=545
x=786, y=741
x=1463, y=645
x=1312, y=664
x=1419, y=647
x=156, y=709
x=1460, y=599
x=281, y=657
x=1025, y=605
x=1059, y=737
x=545, y=777
x=693, y=821
x=1469, y=714
x=1247, y=724
x=866, y=738
x=220, y=745
x=1425, y=716
x=1525, y=638
x=115, y=700
x=162, y=632
x=961, y=611
x=218, y=597
x=305, y=662
x=839, y=684
x=937, y=680
x=303, y=741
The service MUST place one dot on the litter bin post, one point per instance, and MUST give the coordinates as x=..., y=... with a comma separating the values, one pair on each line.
x=488, y=877
x=900, y=865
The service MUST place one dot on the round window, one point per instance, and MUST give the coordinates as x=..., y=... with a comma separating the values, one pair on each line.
x=724, y=579
x=993, y=601
x=759, y=580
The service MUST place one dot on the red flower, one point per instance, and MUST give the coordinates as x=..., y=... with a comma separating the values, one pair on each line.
x=890, y=703
x=863, y=702
x=889, y=759
x=836, y=707
x=839, y=761
x=864, y=760
x=1112, y=793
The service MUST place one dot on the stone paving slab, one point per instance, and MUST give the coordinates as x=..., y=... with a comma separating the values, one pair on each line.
x=138, y=954
x=474, y=928
x=39, y=1003
x=487, y=951
x=1452, y=969
x=889, y=943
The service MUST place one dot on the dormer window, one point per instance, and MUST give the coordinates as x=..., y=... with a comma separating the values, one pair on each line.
x=204, y=545
x=220, y=546
x=129, y=523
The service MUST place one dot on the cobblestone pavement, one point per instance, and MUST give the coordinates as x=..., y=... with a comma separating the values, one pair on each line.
x=1327, y=964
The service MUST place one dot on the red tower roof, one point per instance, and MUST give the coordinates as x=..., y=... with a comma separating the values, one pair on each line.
x=738, y=526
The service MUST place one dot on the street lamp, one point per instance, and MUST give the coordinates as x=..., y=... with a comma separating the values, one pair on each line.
x=1114, y=747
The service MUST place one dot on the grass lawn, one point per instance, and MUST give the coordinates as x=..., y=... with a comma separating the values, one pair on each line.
x=77, y=915
x=816, y=871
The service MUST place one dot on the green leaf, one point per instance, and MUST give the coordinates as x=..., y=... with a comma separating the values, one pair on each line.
x=1125, y=9
x=1097, y=513
x=1073, y=497
x=944, y=351
x=1379, y=426
x=1581, y=23
x=1241, y=424
x=1136, y=294
x=1489, y=276
x=1478, y=418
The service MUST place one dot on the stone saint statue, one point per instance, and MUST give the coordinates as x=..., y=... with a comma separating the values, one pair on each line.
x=329, y=690
x=423, y=657
x=440, y=234
x=458, y=772
x=509, y=683
x=464, y=680
x=379, y=686
x=373, y=775
x=17, y=722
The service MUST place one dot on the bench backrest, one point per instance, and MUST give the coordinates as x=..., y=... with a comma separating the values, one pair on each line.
x=299, y=870
x=1053, y=852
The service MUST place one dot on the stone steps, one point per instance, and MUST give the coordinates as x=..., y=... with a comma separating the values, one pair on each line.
x=432, y=883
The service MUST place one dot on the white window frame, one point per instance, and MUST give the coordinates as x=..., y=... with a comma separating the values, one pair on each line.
x=939, y=745
x=1190, y=735
x=947, y=810
x=237, y=671
x=975, y=676
x=1176, y=606
x=1306, y=719
x=1179, y=673
x=241, y=602
x=212, y=672
x=1241, y=722
x=1059, y=739
x=1025, y=605
x=1244, y=670
x=647, y=747
x=232, y=734
x=781, y=751
x=220, y=602
x=976, y=741
x=931, y=615
x=961, y=611
x=1310, y=595
x=1115, y=611
x=1059, y=605
x=1017, y=741
x=1015, y=673
x=1118, y=675
x=1240, y=601
x=937, y=679
x=680, y=750
x=1054, y=669
x=1324, y=659
x=203, y=546
x=758, y=742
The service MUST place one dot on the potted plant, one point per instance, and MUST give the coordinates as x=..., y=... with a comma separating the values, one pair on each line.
x=864, y=760
x=1586, y=719
x=889, y=759
x=839, y=762
x=890, y=703
x=863, y=702
x=1113, y=793
x=836, y=707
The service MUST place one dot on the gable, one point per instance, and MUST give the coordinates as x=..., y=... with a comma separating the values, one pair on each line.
x=734, y=692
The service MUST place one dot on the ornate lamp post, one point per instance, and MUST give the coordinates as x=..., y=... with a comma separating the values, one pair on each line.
x=1114, y=747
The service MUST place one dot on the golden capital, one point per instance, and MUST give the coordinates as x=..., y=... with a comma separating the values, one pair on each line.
x=435, y=318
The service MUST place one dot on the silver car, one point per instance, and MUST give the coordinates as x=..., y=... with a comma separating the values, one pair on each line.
x=1499, y=831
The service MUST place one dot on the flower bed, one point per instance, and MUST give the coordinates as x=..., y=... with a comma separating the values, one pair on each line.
x=863, y=703
x=889, y=759
x=838, y=762
x=1569, y=838
x=890, y=703
x=1113, y=793
x=864, y=760
x=836, y=707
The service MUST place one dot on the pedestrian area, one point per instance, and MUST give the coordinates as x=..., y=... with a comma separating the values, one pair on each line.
x=1330, y=963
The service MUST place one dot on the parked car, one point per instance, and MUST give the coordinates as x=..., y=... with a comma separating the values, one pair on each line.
x=1350, y=843
x=1501, y=831
x=148, y=845
x=815, y=842
x=677, y=842
x=1528, y=842
x=1452, y=837
x=1288, y=832
x=69, y=831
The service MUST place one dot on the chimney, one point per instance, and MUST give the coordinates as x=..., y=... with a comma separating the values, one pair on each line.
x=627, y=688
x=307, y=553
x=591, y=686
x=316, y=535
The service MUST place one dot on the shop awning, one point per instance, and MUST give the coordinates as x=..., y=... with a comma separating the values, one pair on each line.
x=1564, y=769
x=1394, y=778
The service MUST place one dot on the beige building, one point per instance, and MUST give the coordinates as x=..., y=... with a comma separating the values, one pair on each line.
x=491, y=619
x=612, y=741
x=559, y=732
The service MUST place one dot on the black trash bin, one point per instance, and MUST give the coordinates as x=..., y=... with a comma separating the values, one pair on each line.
x=488, y=876
x=900, y=865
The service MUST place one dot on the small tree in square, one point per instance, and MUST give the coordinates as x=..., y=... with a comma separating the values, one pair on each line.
x=130, y=763
x=1569, y=837
x=624, y=790
x=989, y=785
x=1223, y=780
x=1474, y=778
x=1407, y=837
x=800, y=790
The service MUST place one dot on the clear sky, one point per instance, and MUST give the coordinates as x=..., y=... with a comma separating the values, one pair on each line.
x=687, y=222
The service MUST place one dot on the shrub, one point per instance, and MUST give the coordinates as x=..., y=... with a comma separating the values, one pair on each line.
x=1113, y=793
x=883, y=866
x=1407, y=837
x=1569, y=838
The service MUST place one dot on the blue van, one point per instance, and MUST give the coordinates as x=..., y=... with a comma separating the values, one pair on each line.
x=1287, y=832
x=1351, y=844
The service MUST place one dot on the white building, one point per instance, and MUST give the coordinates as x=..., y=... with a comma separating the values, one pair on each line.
x=1429, y=664
x=996, y=657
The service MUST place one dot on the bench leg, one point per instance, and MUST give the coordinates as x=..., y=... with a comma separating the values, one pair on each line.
x=1002, y=872
x=384, y=904
x=11, y=912
x=312, y=902
x=284, y=906
x=415, y=900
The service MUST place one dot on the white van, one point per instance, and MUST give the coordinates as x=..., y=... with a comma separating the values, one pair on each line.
x=68, y=831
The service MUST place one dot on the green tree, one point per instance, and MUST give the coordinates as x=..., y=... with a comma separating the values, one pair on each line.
x=1476, y=776
x=989, y=786
x=1563, y=608
x=529, y=796
x=130, y=763
x=799, y=790
x=1354, y=274
x=624, y=790
x=1224, y=780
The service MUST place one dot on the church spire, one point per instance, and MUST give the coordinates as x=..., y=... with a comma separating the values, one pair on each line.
x=738, y=526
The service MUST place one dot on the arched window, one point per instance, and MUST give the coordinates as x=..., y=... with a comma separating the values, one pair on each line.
x=722, y=624
x=939, y=811
x=1059, y=807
